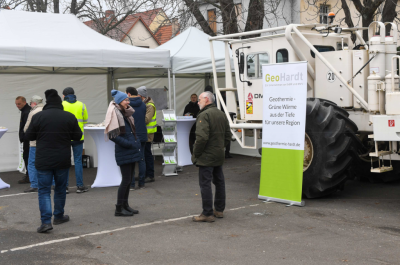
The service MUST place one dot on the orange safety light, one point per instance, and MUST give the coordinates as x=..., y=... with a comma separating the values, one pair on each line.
x=331, y=16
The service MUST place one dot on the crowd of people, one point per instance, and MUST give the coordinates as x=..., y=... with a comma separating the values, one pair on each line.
x=49, y=132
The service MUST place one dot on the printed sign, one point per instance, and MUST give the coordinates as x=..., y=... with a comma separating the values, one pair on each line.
x=249, y=106
x=391, y=123
x=284, y=119
x=330, y=76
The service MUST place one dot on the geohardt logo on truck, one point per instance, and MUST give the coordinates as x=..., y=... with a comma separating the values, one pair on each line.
x=284, y=77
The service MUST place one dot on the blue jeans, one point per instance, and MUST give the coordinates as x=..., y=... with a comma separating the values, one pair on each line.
x=77, y=150
x=142, y=167
x=149, y=160
x=31, y=167
x=45, y=177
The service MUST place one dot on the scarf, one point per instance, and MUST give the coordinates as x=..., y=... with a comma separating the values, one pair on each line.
x=70, y=98
x=114, y=122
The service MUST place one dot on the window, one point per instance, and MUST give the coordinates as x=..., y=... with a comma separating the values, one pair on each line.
x=212, y=20
x=323, y=14
x=254, y=64
x=148, y=47
x=321, y=48
x=282, y=56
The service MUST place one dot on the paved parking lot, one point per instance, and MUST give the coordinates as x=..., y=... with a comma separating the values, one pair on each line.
x=357, y=226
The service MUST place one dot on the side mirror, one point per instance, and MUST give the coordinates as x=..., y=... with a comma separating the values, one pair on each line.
x=241, y=63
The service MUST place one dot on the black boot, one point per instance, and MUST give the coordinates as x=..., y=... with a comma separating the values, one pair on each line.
x=120, y=211
x=129, y=209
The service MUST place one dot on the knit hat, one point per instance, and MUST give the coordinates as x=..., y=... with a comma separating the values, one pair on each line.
x=209, y=89
x=52, y=97
x=36, y=99
x=142, y=91
x=68, y=91
x=118, y=96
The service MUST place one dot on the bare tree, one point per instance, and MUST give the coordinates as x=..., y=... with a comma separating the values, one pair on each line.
x=105, y=16
x=234, y=16
x=193, y=7
x=366, y=12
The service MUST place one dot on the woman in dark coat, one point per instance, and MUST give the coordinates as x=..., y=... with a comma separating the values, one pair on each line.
x=120, y=129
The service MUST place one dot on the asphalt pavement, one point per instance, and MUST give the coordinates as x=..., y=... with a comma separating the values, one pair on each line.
x=359, y=225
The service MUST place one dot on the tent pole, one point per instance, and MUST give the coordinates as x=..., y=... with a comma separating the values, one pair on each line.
x=110, y=84
x=169, y=89
x=173, y=81
x=207, y=79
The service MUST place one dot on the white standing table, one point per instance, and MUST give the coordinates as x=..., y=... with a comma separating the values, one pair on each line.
x=3, y=185
x=108, y=173
x=183, y=127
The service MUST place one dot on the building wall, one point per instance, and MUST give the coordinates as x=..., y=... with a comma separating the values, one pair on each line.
x=286, y=14
x=140, y=36
x=159, y=20
x=310, y=15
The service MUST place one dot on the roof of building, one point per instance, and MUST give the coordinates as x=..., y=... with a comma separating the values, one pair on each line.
x=147, y=16
x=164, y=33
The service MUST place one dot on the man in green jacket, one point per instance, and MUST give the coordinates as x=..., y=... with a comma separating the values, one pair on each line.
x=212, y=135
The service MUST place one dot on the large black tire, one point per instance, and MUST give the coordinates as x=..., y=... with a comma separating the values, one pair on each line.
x=333, y=140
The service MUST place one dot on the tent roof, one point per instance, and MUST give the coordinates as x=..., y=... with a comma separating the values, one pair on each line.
x=190, y=52
x=39, y=41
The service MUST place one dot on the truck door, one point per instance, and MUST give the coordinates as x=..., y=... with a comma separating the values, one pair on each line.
x=256, y=55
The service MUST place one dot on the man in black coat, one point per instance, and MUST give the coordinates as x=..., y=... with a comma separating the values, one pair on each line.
x=192, y=107
x=20, y=102
x=53, y=129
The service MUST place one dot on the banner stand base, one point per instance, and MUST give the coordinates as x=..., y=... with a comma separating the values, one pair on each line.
x=289, y=203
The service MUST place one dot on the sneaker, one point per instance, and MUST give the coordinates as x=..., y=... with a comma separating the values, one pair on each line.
x=148, y=180
x=24, y=180
x=30, y=189
x=203, y=218
x=44, y=228
x=67, y=191
x=141, y=188
x=62, y=220
x=218, y=214
x=81, y=189
x=132, y=188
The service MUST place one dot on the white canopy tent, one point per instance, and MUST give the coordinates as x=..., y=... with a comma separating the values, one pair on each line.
x=42, y=42
x=190, y=56
x=190, y=53
x=39, y=51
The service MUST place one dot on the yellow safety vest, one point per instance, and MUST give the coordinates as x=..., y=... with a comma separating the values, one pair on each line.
x=152, y=125
x=78, y=109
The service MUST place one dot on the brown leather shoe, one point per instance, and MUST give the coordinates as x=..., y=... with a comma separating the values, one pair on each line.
x=24, y=180
x=203, y=218
x=218, y=214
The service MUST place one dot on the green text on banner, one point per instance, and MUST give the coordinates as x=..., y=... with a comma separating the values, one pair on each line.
x=284, y=119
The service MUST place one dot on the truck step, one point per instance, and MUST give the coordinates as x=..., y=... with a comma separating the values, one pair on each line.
x=381, y=169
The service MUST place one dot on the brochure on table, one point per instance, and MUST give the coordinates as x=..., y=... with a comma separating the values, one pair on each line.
x=170, y=143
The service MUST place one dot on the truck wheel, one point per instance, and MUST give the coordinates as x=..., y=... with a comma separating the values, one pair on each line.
x=328, y=145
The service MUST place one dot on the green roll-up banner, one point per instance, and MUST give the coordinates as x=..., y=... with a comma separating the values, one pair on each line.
x=284, y=119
